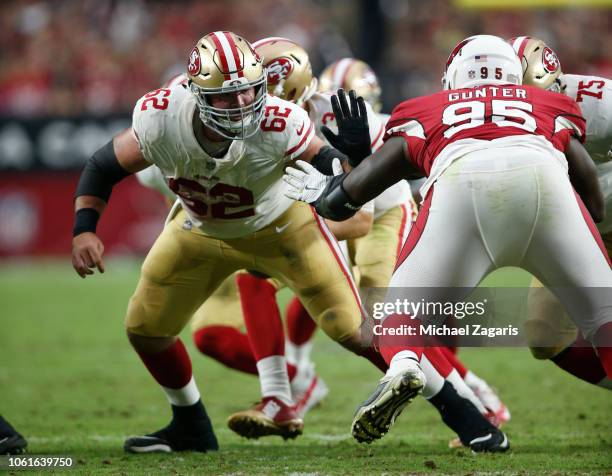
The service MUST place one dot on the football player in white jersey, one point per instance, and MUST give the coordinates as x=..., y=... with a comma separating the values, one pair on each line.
x=375, y=255
x=222, y=144
x=218, y=323
x=550, y=332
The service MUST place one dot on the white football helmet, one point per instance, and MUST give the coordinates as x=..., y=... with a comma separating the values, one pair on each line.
x=480, y=60
x=223, y=62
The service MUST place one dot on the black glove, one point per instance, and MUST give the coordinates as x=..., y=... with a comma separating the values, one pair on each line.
x=353, y=130
x=324, y=159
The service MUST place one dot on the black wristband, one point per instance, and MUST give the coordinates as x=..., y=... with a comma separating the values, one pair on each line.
x=337, y=205
x=85, y=220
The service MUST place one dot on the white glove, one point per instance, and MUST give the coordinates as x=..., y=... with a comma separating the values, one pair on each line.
x=306, y=184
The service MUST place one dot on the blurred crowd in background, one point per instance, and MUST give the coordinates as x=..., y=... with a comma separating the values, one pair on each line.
x=95, y=57
x=72, y=70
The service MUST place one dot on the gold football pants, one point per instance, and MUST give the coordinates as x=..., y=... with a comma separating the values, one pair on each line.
x=547, y=320
x=184, y=267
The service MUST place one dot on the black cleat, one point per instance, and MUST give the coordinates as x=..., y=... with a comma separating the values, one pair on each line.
x=375, y=416
x=174, y=438
x=11, y=442
x=494, y=442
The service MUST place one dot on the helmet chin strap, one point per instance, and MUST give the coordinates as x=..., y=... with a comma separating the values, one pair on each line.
x=209, y=139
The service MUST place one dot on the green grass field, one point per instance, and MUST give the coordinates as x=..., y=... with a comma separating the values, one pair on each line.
x=72, y=385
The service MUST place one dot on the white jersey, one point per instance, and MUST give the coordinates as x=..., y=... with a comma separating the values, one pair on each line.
x=594, y=97
x=153, y=177
x=234, y=195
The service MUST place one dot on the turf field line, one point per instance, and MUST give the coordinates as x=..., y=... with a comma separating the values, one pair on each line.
x=321, y=437
x=325, y=438
x=221, y=431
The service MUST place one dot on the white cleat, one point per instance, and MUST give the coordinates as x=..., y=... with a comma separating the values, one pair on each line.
x=307, y=389
x=313, y=396
x=489, y=400
x=376, y=415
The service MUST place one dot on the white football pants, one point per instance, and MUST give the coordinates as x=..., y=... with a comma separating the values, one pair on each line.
x=508, y=207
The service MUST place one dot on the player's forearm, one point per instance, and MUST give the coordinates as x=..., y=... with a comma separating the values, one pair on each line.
x=101, y=172
x=583, y=175
x=357, y=226
x=89, y=201
x=378, y=172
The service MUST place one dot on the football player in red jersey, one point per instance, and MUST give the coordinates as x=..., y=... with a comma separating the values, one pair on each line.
x=373, y=255
x=496, y=156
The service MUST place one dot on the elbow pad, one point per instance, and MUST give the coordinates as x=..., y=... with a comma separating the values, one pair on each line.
x=336, y=205
x=324, y=158
x=101, y=172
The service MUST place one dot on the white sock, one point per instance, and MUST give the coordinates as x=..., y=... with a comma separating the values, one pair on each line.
x=434, y=382
x=399, y=363
x=464, y=390
x=472, y=380
x=298, y=355
x=273, y=378
x=183, y=397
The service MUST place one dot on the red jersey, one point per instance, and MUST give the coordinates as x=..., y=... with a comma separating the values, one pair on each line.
x=449, y=124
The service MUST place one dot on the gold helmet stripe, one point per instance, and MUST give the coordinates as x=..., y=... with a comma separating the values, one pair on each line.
x=341, y=71
x=228, y=54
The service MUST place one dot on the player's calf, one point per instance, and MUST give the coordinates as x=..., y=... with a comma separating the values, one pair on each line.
x=190, y=429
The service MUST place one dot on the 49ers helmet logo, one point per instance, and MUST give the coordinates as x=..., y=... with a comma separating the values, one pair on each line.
x=279, y=69
x=550, y=60
x=194, y=62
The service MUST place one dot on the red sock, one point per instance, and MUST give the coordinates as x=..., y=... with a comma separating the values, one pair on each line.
x=261, y=316
x=438, y=360
x=454, y=361
x=227, y=345
x=580, y=360
x=389, y=344
x=300, y=326
x=603, y=343
x=171, y=367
